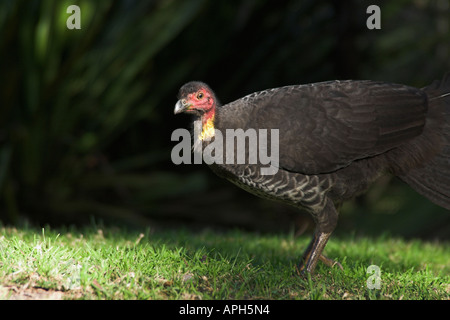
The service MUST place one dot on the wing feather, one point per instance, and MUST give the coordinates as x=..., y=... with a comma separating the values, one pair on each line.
x=325, y=126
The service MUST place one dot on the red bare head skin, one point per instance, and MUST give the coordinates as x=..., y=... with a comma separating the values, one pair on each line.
x=197, y=98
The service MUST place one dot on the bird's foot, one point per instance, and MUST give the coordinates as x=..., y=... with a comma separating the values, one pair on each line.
x=330, y=262
x=302, y=269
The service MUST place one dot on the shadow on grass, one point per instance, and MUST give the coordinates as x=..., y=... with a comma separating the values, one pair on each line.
x=392, y=254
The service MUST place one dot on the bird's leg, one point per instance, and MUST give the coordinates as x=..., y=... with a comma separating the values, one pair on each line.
x=326, y=222
x=306, y=253
x=314, y=252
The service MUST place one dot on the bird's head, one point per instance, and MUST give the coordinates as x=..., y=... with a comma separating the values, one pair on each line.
x=197, y=98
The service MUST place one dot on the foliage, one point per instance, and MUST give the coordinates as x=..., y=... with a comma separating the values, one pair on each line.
x=69, y=98
x=86, y=115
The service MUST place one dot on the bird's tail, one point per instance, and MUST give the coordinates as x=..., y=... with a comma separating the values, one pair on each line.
x=432, y=180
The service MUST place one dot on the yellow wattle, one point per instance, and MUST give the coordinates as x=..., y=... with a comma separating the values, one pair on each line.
x=207, y=129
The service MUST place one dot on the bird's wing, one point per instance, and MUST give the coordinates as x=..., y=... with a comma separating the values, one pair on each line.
x=326, y=126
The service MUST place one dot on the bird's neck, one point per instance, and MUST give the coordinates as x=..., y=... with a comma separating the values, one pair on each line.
x=208, y=125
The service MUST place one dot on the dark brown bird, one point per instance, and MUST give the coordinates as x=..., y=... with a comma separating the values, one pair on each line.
x=334, y=139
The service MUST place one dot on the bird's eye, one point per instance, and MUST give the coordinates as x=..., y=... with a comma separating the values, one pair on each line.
x=199, y=95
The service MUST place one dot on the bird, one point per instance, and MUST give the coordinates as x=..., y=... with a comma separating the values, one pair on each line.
x=335, y=138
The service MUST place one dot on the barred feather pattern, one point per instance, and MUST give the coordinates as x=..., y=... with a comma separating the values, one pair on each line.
x=305, y=191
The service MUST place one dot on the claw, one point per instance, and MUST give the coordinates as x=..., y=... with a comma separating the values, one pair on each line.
x=330, y=262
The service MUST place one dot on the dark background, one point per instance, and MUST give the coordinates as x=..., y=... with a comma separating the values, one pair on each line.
x=86, y=115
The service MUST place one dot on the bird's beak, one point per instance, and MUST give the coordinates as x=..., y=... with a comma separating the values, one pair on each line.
x=181, y=106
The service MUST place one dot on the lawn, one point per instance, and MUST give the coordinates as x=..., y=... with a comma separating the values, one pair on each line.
x=110, y=263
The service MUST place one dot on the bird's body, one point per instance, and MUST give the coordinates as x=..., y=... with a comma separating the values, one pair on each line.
x=334, y=139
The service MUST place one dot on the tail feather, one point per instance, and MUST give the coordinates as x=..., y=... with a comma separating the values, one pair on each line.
x=433, y=178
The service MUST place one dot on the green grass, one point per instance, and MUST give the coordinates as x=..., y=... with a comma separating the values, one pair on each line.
x=109, y=263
